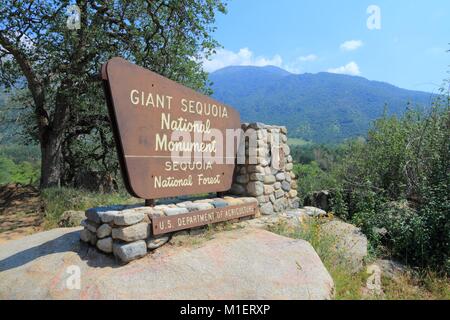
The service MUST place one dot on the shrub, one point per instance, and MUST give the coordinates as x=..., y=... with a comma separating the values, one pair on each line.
x=312, y=178
x=398, y=182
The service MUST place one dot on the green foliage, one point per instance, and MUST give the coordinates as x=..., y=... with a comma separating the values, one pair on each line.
x=323, y=107
x=52, y=72
x=19, y=164
x=58, y=200
x=312, y=178
x=394, y=185
x=19, y=153
x=24, y=172
x=397, y=185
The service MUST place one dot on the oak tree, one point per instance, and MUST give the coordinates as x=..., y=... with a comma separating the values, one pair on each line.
x=57, y=62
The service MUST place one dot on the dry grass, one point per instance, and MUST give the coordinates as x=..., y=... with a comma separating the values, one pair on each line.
x=404, y=286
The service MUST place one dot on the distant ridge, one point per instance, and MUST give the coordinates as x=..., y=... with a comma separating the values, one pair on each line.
x=322, y=107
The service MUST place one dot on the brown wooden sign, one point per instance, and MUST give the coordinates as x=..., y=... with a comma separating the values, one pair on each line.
x=166, y=224
x=153, y=119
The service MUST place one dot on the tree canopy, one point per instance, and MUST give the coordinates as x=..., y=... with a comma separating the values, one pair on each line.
x=56, y=68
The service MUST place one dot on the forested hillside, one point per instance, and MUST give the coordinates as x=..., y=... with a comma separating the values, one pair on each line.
x=321, y=107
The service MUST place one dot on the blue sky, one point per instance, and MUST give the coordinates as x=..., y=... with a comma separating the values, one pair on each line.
x=406, y=46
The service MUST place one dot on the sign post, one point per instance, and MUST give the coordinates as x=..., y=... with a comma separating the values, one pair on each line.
x=170, y=139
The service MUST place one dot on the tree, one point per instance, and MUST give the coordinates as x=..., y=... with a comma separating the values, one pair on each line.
x=59, y=66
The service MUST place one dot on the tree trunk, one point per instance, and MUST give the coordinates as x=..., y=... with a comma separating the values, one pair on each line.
x=51, y=162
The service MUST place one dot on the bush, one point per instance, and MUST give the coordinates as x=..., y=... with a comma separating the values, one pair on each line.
x=312, y=178
x=398, y=182
x=23, y=172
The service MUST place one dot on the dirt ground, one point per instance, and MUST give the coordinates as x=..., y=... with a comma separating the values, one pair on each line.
x=20, y=211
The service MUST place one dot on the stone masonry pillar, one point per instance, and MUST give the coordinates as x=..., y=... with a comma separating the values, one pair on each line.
x=265, y=168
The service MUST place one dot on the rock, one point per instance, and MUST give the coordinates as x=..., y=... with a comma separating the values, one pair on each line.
x=91, y=226
x=257, y=177
x=390, y=268
x=255, y=188
x=233, y=201
x=262, y=151
x=256, y=125
x=294, y=203
x=350, y=242
x=135, y=232
x=255, y=169
x=160, y=207
x=277, y=185
x=280, y=176
x=315, y=212
x=373, y=283
x=269, y=179
x=184, y=204
x=298, y=214
x=286, y=186
x=35, y=268
x=286, y=149
x=108, y=216
x=128, y=217
x=272, y=198
x=204, y=201
x=104, y=231
x=71, y=218
x=248, y=200
x=237, y=189
x=289, y=166
x=242, y=179
x=293, y=193
x=156, y=242
x=197, y=207
x=105, y=245
x=175, y=211
x=268, y=190
x=127, y=252
x=145, y=210
x=279, y=194
x=92, y=215
x=262, y=199
x=88, y=236
x=320, y=199
x=219, y=203
x=96, y=214
x=280, y=205
x=266, y=209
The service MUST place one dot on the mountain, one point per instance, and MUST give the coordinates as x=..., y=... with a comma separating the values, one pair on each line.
x=322, y=107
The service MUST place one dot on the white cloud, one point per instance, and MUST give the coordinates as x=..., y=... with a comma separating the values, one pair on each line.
x=350, y=68
x=351, y=45
x=244, y=57
x=309, y=57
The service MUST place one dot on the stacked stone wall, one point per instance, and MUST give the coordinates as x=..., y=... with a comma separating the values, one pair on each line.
x=126, y=232
x=265, y=169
